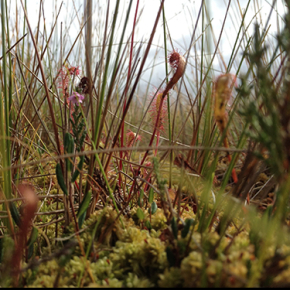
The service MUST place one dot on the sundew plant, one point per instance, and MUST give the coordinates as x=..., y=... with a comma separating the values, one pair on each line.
x=145, y=143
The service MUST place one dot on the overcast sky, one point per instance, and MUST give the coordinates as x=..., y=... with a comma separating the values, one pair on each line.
x=181, y=17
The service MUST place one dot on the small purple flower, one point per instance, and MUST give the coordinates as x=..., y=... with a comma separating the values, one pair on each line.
x=76, y=98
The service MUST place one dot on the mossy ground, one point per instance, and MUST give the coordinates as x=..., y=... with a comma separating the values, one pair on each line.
x=135, y=256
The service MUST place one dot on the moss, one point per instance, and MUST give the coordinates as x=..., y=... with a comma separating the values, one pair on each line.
x=241, y=241
x=195, y=241
x=102, y=269
x=282, y=278
x=213, y=271
x=111, y=283
x=140, y=254
x=46, y=275
x=191, y=269
x=158, y=219
x=171, y=278
x=133, y=281
x=74, y=268
x=136, y=257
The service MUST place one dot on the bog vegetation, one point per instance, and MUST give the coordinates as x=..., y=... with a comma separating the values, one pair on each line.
x=189, y=189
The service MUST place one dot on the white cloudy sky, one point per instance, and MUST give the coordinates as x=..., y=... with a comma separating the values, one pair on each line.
x=181, y=17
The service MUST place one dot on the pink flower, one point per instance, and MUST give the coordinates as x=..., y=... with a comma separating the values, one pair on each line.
x=130, y=138
x=155, y=107
x=76, y=98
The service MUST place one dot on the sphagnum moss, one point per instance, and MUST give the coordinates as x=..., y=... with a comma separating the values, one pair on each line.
x=138, y=259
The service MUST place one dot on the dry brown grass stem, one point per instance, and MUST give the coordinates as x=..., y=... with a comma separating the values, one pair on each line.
x=8, y=50
x=112, y=150
x=88, y=34
x=39, y=197
x=45, y=84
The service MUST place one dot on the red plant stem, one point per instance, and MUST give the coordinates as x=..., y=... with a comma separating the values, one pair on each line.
x=126, y=90
x=150, y=143
x=148, y=179
x=76, y=184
